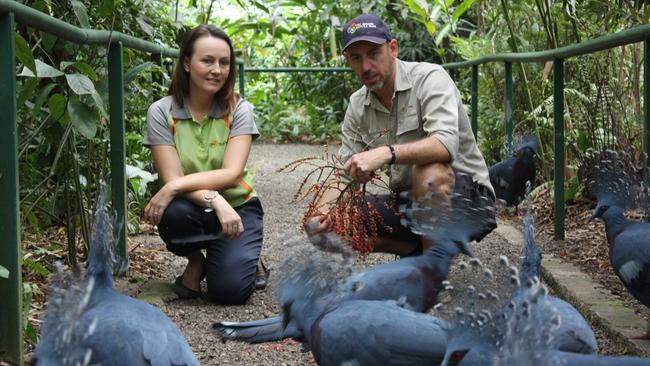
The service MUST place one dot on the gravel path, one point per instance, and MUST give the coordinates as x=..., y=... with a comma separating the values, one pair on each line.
x=282, y=218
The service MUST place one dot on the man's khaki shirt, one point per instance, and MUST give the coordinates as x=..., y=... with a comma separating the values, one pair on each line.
x=426, y=103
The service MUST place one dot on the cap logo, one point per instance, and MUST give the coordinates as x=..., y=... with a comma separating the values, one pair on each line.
x=354, y=26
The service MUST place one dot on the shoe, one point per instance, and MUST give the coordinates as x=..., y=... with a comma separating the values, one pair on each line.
x=183, y=291
x=262, y=279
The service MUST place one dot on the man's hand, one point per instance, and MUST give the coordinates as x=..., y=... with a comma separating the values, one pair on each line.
x=362, y=166
x=318, y=224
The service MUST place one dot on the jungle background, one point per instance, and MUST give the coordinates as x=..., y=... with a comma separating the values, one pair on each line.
x=63, y=93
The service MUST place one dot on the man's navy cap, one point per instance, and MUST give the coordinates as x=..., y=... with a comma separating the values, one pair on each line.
x=365, y=27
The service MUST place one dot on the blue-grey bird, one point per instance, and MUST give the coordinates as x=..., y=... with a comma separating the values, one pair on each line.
x=371, y=332
x=614, y=180
x=531, y=321
x=415, y=280
x=340, y=330
x=573, y=333
x=629, y=252
x=509, y=176
x=90, y=323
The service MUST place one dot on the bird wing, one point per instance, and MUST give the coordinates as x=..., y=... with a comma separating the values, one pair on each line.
x=366, y=332
x=630, y=257
x=574, y=333
x=501, y=173
x=402, y=279
x=501, y=178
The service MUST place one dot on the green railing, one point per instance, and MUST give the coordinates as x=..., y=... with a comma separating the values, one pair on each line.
x=11, y=326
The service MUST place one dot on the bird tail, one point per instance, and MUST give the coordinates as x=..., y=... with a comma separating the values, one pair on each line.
x=102, y=259
x=255, y=331
x=531, y=257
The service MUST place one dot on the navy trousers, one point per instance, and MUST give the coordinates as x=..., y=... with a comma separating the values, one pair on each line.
x=230, y=264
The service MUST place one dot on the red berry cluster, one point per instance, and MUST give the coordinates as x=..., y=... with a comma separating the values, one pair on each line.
x=354, y=223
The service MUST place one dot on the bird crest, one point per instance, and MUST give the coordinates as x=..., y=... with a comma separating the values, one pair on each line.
x=520, y=144
x=615, y=178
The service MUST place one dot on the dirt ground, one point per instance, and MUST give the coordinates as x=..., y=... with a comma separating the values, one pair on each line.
x=151, y=262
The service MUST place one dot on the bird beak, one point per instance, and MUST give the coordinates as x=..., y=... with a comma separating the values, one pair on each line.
x=598, y=212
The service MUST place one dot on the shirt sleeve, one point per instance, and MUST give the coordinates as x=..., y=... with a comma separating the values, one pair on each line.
x=439, y=102
x=158, y=131
x=351, y=134
x=243, y=120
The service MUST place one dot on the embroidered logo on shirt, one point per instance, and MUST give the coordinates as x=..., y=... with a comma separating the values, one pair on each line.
x=405, y=108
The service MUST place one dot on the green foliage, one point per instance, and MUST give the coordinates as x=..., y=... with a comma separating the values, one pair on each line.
x=62, y=110
x=29, y=289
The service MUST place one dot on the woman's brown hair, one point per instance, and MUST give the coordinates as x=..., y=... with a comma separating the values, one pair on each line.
x=180, y=86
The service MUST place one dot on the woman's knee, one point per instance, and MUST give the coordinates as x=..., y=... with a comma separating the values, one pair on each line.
x=178, y=211
x=437, y=177
x=180, y=220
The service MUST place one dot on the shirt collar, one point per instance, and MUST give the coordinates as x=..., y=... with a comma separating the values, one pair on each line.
x=402, y=77
x=180, y=112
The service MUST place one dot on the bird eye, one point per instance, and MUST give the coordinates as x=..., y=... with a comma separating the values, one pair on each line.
x=456, y=357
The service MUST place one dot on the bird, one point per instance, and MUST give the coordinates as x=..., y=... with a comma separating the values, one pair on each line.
x=629, y=252
x=415, y=280
x=372, y=332
x=89, y=322
x=614, y=180
x=574, y=333
x=339, y=329
x=531, y=321
x=509, y=176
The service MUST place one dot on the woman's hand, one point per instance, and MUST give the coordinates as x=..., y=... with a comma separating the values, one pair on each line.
x=231, y=224
x=156, y=207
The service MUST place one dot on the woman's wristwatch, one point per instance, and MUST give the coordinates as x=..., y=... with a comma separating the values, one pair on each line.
x=208, y=197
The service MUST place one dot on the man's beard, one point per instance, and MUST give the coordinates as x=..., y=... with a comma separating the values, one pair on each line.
x=376, y=86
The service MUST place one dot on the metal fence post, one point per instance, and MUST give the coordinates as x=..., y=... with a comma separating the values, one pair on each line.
x=558, y=146
x=508, y=104
x=11, y=325
x=475, y=101
x=646, y=118
x=118, y=157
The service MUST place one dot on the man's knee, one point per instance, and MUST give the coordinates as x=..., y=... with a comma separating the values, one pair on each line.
x=437, y=177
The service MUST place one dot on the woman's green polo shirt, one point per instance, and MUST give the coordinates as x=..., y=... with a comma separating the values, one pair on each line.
x=201, y=146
